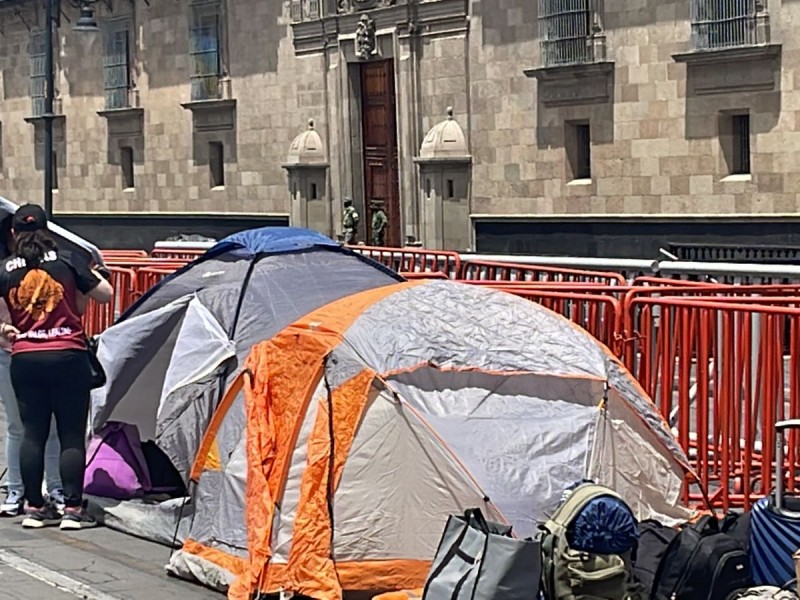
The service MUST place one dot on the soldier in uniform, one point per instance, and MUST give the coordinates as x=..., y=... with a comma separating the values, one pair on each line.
x=350, y=222
x=380, y=222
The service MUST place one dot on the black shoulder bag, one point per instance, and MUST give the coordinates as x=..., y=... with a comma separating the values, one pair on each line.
x=98, y=377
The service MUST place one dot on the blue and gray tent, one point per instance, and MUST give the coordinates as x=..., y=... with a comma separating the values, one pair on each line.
x=170, y=357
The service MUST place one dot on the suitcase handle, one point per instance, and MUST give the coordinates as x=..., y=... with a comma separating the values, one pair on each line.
x=780, y=428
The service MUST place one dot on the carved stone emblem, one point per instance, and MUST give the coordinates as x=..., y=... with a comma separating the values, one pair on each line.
x=349, y=6
x=366, y=46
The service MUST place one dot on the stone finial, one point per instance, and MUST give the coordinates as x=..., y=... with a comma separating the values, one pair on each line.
x=446, y=140
x=307, y=148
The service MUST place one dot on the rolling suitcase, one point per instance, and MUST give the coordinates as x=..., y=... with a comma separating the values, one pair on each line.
x=775, y=525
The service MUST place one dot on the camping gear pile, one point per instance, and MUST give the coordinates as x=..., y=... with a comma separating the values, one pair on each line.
x=592, y=547
x=317, y=420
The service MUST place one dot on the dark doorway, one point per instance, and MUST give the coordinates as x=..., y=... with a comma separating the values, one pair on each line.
x=379, y=131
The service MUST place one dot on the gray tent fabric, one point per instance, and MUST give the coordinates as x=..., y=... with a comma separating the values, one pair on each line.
x=171, y=357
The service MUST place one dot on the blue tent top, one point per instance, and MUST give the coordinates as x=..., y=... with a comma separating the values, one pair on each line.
x=274, y=240
x=263, y=242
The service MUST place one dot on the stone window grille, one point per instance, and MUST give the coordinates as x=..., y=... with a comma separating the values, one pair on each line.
x=38, y=75
x=566, y=28
x=117, y=64
x=719, y=24
x=305, y=10
x=205, y=50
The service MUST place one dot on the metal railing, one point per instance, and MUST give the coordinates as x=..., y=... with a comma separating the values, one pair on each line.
x=736, y=253
x=718, y=24
x=565, y=27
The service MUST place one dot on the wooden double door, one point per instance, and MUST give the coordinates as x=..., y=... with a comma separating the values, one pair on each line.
x=379, y=141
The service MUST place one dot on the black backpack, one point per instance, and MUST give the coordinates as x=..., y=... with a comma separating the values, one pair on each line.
x=703, y=562
x=737, y=525
x=654, y=538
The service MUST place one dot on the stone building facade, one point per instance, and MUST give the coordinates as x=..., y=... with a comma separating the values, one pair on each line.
x=580, y=126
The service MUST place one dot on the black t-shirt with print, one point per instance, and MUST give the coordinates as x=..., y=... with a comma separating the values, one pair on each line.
x=43, y=301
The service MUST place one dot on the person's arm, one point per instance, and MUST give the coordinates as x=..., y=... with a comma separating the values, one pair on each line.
x=7, y=329
x=92, y=284
x=102, y=292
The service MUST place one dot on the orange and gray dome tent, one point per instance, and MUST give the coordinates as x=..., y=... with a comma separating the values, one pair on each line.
x=370, y=420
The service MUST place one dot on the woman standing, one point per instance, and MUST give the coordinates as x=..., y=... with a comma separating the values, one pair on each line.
x=12, y=505
x=49, y=364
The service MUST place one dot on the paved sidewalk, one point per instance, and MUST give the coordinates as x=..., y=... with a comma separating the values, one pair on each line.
x=97, y=564
x=17, y=586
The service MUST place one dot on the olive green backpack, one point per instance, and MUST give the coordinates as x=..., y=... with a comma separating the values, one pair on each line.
x=569, y=574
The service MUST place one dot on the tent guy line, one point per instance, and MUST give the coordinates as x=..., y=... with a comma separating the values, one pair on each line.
x=52, y=578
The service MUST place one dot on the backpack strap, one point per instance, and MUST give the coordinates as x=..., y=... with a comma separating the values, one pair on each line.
x=580, y=496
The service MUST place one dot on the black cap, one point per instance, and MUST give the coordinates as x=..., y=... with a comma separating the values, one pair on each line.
x=29, y=217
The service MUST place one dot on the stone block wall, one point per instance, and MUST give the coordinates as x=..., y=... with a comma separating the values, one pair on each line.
x=275, y=92
x=656, y=146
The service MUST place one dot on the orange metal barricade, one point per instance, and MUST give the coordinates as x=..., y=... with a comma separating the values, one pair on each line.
x=498, y=271
x=136, y=262
x=633, y=346
x=410, y=260
x=433, y=275
x=722, y=362
x=98, y=317
x=123, y=254
x=147, y=277
x=723, y=371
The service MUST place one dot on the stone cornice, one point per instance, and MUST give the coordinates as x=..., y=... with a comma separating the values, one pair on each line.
x=304, y=166
x=566, y=85
x=732, y=70
x=425, y=19
x=728, y=55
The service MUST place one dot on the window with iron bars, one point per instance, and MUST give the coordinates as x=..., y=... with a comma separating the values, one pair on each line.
x=205, y=50
x=38, y=75
x=305, y=10
x=719, y=24
x=117, y=63
x=565, y=27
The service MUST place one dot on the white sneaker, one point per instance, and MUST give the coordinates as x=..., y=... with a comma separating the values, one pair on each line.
x=12, y=505
x=57, y=498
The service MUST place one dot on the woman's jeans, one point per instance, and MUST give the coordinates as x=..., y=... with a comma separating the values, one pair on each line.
x=14, y=436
